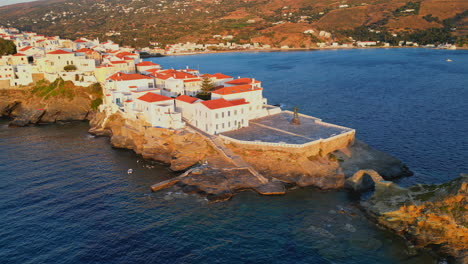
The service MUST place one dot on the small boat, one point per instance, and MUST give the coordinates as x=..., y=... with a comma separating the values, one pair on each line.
x=449, y=60
x=130, y=171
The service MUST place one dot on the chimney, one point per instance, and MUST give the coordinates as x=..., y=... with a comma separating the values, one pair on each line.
x=253, y=80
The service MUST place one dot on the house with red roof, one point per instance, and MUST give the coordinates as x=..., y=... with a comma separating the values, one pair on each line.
x=15, y=59
x=220, y=115
x=174, y=83
x=158, y=110
x=186, y=105
x=56, y=61
x=32, y=51
x=218, y=79
x=144, y=66
x=121, y=85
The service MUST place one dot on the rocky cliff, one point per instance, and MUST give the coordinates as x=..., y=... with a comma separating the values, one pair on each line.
x=429, y=216
x=220, y=178
x=48, y=103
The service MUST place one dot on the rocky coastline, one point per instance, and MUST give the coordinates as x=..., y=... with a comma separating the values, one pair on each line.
x=216, y=177
x=51, y=103
x=429, y=217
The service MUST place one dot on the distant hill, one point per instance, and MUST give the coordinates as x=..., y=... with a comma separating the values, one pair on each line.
x=274, y=22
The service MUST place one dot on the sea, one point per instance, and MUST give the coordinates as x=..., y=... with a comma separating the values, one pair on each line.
x=66, y=196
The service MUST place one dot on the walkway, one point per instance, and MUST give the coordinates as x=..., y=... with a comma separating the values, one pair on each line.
x=229, y=154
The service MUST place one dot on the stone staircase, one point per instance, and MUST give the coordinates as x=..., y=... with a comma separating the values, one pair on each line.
x=237, y=160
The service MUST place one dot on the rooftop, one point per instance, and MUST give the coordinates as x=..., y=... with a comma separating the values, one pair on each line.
x=278, y=128
x=237, y=89
x=152, y=98
x=222, y=103
x=242, y=81
x=127, y=77
x=187, y=99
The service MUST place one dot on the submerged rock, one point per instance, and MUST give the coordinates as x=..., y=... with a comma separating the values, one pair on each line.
x=429, y=216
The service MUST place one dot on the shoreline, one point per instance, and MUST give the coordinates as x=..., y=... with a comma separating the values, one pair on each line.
x=295, y=49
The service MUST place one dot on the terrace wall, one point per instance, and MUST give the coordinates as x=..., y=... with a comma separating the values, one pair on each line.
x=313, y=148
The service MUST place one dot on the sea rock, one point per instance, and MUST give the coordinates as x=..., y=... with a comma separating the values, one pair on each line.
x=361, y=156
x=363, y=180
x=429, y=216
x=27, y=117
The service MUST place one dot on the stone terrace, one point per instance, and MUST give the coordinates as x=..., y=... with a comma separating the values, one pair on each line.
x=278, y=129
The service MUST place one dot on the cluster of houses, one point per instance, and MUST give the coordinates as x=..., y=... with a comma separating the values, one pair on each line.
x=165, y=98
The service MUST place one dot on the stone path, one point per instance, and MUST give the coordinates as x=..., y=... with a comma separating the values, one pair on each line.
x=237, y=160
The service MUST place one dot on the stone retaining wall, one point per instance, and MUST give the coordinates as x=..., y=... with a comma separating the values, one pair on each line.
x=313, y=148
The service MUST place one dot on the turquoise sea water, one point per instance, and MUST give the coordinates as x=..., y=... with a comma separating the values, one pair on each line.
x=65, y=196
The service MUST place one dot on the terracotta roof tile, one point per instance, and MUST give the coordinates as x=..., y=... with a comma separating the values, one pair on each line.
x=152, y=98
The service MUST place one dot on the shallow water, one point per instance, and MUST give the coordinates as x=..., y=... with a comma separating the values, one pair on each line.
x=66, y=196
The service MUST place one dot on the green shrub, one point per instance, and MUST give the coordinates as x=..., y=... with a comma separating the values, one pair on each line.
x=96, y=103
x=70, y=68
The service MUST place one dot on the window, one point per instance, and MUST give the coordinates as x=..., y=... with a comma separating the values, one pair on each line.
x=229, y=113
x=216, y=126
x=229, y=124
x=222, y=115
x=223, y=125
x=235, y=112
x=235, y=123
x=217, y=116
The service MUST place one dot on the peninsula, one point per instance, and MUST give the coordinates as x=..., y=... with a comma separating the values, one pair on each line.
x=184, y=118
x=218, y=130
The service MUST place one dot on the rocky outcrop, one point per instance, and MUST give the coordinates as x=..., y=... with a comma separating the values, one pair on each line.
x=429, y=216
x=219, y=178
x=363, y=180
x=220, y=184
x=27, y=106
x=327, y=171
x=179, y=149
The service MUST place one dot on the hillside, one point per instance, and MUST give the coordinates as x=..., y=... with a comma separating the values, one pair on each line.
x=275, y=22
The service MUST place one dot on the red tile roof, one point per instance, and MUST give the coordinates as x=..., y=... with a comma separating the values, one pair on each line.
x=237, y=89
x=125, y=54
x=166, y=74
x=80, y=41
x=147, y=63
x=84, y=50
x=193, y=80
x=59, y=52
x=221, y=76
x=128, y=77
x=118, y=62
x=242, y=81
x=26, y=48
x=152, y=98
x=19, y=54
x=187, y=99
x=222, y=103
